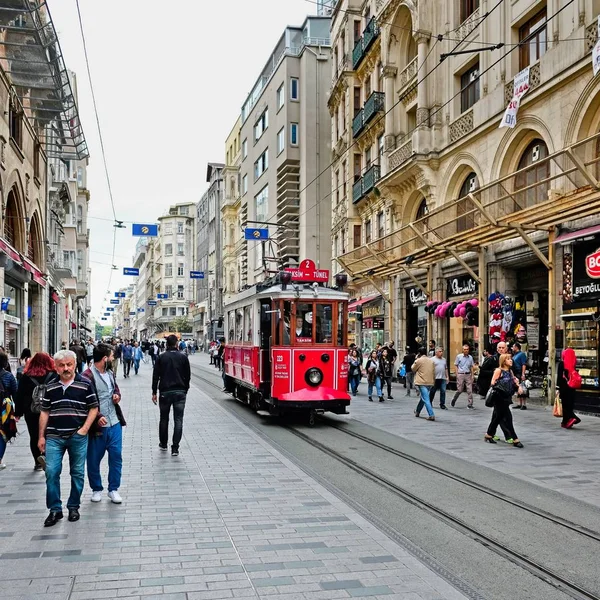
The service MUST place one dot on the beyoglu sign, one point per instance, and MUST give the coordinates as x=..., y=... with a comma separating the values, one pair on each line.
x=307, y=271
x=592, y=265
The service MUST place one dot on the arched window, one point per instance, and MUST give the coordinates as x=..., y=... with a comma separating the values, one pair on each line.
x=535, y=169
x=12, y=223
x=422, y=210
x=465, y=209
x=34, y=242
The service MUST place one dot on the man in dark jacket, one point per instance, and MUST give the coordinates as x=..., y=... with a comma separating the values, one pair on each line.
x=171, y=376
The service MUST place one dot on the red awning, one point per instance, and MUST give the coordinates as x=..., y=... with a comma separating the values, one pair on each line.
x=36, y=274
x=55, y=298
x=352, y=306
x=576, y=235
x=10, y=251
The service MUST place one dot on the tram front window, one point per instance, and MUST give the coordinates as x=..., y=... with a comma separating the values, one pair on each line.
x=303, y=324
x=324, y=333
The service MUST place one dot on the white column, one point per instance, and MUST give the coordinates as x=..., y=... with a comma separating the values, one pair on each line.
x=422, y=40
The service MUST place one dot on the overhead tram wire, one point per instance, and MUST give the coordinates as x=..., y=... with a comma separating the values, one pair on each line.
x=414, y=86
x=515, y=46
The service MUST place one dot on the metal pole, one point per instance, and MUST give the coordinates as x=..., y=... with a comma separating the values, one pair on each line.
x=481, y=326
x=551, y=316
x=429, y=292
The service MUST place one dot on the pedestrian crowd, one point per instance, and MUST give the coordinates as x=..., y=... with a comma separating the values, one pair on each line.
x=71, y=404
x=501, y=381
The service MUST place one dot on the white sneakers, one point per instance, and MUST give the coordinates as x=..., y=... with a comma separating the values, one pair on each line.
x=115, y=497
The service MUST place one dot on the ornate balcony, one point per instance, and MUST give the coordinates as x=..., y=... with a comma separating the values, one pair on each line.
x=364, y=43
x=357, y=192
x=370, y=178
x=358, y=123
x=374, y=105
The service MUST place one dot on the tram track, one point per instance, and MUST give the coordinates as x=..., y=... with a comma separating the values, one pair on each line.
x=516, y=557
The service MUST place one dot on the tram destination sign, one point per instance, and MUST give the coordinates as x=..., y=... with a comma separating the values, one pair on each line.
x=307, y=271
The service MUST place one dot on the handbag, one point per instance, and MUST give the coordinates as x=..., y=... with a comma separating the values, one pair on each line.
x=490, y=397
x=402, y=372
x=557, y=411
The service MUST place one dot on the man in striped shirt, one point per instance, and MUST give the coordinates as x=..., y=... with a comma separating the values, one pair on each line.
x=69, y=408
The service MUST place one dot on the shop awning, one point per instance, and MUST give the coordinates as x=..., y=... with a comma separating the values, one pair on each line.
x=569, y=236
x=10, y=251
x=352, y=306
x=36, y=274
x=55, y=298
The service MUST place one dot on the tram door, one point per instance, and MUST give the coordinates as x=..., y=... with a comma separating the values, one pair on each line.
x=265, y=342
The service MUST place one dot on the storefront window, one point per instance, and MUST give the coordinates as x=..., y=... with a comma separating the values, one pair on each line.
x=582, y=335
x=460, y=334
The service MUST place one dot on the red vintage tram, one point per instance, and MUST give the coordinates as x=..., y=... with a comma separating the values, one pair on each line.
x=286, y=346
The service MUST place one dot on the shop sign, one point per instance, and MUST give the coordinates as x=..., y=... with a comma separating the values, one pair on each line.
x=373, y=310
x=416, y=296
x=585, y=273
x=592, y=265
x=11, y=319
x=462, y=285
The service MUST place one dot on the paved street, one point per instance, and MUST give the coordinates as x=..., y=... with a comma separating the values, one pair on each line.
x=230, y=517
x=561, y=460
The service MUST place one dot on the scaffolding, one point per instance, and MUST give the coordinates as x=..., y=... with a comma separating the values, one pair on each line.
x=41, y=86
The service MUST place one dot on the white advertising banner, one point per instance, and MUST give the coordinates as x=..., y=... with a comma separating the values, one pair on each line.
x=596, y=52
x=520, y=88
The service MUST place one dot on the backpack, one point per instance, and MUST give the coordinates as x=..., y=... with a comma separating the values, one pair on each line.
x=574, y=380
x=38, y=394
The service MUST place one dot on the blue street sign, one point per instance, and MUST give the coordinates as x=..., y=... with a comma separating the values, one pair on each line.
x=144, y=229
x=110, y=309
x=126, y=321
x=152, y=302
x=141, y=310
x=119, y=294
x=132, y=313
x=114, y=302
x=196, y=274
x=131, y=271
x=103, y=319
x=162, y=296
x=107, y=314
x=251, y=233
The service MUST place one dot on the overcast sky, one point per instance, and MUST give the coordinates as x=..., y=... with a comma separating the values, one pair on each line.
x=169, y=87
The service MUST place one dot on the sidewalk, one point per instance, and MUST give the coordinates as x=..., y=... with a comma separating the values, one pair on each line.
x=230, y=517
x=555, y=458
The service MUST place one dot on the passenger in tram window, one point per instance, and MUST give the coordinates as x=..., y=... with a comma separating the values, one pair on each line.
x=303, y=330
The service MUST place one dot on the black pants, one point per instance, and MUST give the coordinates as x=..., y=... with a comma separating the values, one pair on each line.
x=218, y=362
x=177, y=401
x=388, y=380
x=502, y=415
x=153, y=356
x=33, y=427
x=126, y=366
x=568, y=406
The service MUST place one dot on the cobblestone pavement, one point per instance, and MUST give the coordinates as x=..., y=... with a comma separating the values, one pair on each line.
x=555, y=458
x=230, y=517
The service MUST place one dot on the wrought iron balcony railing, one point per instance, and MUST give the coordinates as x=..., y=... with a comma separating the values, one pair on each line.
x=364, y=43
x=358, y=123
x=374, y=105
x=357, y=192
x=370, y=178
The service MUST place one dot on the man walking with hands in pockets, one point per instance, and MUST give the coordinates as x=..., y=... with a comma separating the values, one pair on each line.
x=171, y=376
x=68, y=410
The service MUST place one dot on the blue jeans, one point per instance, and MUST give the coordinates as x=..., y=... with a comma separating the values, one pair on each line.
x=354, y=381
x=377, y=387
x=136, y=365
x=110, y=441
x=440, y=384
x=56, y=447
x=2, y=447
x=424, y=401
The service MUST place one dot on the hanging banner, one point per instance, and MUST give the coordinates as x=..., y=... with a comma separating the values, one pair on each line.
x=142, y=229
x=131, y=271
x=251, y=233
x=196, y=274
x=132, y=313
x=110, y=309
x=119, y=294
x=114, y=302
x=152, y=302
x=596, y=53
x=520, y=88
x=162, y=296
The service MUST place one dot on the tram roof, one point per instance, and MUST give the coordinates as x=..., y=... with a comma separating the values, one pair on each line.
x=293, y=291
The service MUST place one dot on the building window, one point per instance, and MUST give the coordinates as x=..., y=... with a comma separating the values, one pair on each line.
x=465, y=210
x=168, y=229
x=367, y=232
x=368, y=158
x=184, y=211
x=280, y=140
x=469, y=86
x=380, y=149
x=244, y=149
x=380, y=224
x=294, y=89
x=173, y=311
x=169, y=290
x=357, y=242
x=261, y=203
x=467, y=8
x=261, y=165
x=280, y=96
x=534, y=40
x=168, y=269
x=357, y=106
x=293, y=134
x=168, y=249
x=180, y=227
x=180, y=270
x=345, y=177
x=357, y=30
x=337, y=187
x=261, y=125
x=180, y=292
x=534, y=170
x=16, y=124
x=180, y=249
x=357, y=167
x=36, y=164
x=244, y=184
x=165, y=312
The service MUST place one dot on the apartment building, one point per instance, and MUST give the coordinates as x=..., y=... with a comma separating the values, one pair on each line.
x=285, y=143
x=209, y=258
x=140, y=297
x=446, y=206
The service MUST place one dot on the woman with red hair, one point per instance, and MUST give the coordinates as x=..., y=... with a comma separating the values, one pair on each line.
x=567, y=394
x=39, y=370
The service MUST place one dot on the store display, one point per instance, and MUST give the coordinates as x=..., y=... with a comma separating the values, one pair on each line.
x=582, y=335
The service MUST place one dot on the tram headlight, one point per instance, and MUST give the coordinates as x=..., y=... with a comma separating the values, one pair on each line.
x=314, y=377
